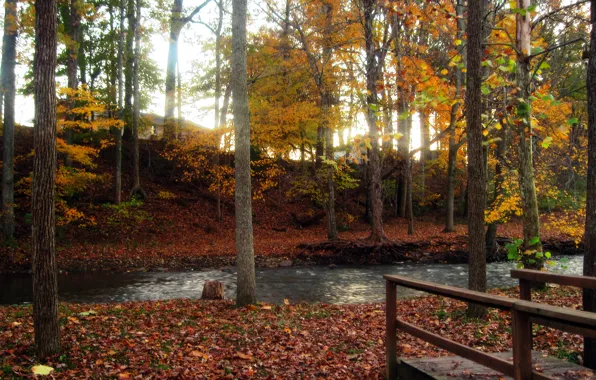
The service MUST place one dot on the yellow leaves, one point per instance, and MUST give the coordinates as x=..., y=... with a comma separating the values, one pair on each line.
x=42, y=370
x=457, y=42
x=444, y=72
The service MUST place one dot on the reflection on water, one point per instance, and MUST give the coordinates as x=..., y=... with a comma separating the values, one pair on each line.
x=343, y=284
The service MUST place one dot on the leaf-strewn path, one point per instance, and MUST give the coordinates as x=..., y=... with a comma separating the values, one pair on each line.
x=210, y=339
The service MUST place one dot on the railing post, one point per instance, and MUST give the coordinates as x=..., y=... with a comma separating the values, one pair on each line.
x=521, y=327
x=525, y=290
x=391, y=330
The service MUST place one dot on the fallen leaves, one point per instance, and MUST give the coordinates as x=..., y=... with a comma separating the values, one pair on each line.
x=190, y=339
x=41, y=370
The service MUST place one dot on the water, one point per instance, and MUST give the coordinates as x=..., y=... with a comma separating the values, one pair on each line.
x=343, y=284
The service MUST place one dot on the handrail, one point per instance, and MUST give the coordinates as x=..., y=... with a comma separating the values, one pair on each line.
x=523, y=314
x=554, y=278
x=497, y=302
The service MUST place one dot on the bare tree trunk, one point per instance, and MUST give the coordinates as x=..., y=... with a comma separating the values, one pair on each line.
x=45, y=282
x=372, y=73
x=589, y=296
x=476, y=169
x=530, y=218
x=137, y=190
x=331, y=221
x=9, y=57
x=424, y=153
x=453, y=146
x=118, y=131
x=408, y=164
x=216, y=105
x=129, y=67
x=176, y=25
x=246, y=283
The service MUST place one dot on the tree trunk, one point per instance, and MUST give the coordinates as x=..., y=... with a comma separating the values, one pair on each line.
x=218, y=214
x=213, y=290
x=137, y=190
x=589, y=296
x=453, y=146
x=425, y=152
x=118, y=131
x=45, y=282
x=408, y=164
x=176, y=25
x=9, y=57
x=129, y=66
x=331, y=221
x=530, y=218
x=246, y=288
x=372, y=73
x=476, y=174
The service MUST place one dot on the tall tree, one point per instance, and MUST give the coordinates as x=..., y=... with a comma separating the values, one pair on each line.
x=137, y=190
x=118, y=131
x=476, y=167
x=375, y=57
x=45, y=282
x=530, y=217
x=453, y=145
x=9, y=56
x=246, y=283
x=177, y=23
x=589, y=296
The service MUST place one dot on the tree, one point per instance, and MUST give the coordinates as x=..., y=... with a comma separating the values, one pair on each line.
x=246, y=283
x=530, y=217
x=137, y=190
x=9, y=56
x=476, y=167
x=177, y=23
x=118, y=131
x=45, y=282
x=589, y=296
x=375, y=56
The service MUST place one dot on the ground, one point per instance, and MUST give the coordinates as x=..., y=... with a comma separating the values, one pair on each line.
x=214, y=339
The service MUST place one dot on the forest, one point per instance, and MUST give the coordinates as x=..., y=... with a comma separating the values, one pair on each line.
x=282, y=156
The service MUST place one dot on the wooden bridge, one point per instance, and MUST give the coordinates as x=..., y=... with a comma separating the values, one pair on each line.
x=523, y=311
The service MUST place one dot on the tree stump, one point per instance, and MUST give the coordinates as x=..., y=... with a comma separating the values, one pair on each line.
x=213, y=290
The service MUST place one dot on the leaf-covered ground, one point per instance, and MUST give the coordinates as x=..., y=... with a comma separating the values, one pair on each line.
x=213, y=339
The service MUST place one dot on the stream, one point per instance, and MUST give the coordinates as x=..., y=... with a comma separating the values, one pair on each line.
x=342, y=284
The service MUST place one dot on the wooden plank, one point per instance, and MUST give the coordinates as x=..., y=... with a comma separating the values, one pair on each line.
x=525, y=290
x=490, y=300
x=458, y=368
x=554, y=278
x=390, y=330
x=522, y=345
x=577, y=318
x=563, y=326
x=477, y=356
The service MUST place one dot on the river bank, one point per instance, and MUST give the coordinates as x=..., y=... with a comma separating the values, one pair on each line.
x=213, y=339
x=133, y=257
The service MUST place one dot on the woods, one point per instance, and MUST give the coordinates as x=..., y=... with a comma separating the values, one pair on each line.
x=141, y=135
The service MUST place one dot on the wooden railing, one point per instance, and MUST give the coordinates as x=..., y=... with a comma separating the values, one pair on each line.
x=527, y=278
x=523, y=314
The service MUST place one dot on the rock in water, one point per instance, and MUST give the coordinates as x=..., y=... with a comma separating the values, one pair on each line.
x=213, y=290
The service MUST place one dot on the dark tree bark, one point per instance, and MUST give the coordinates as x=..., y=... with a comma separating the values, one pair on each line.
x=476, y=168
x=45, y=282
x=9, y=57
x=137, y=190
x=374, y=60
x=589, y=296
x=246, y=288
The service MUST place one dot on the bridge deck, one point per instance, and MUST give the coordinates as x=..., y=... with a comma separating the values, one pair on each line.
x=456, y=367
